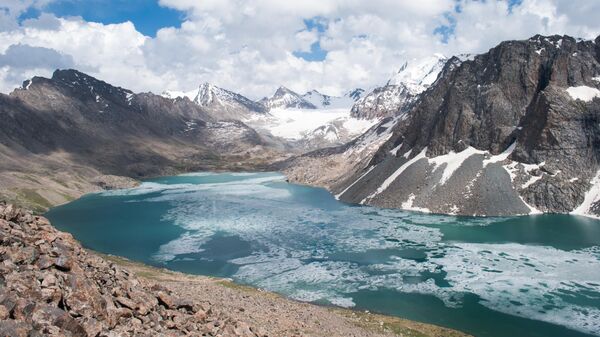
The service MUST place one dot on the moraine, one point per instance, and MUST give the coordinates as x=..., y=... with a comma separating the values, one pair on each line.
x=512, y=276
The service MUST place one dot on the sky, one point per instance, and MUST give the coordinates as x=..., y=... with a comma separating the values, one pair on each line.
x=253, y=47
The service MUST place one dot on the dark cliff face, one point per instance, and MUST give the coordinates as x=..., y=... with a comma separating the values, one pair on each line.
x=112, y=129
x=481, y=102
x=515, y=94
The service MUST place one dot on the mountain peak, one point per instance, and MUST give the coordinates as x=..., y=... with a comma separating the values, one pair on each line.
x=76, y=79
x=418, y=74
x=60, y=74
x=283, y=91
x=207, y=92
x=397, y=96
x=225, y=104
x=287, y=99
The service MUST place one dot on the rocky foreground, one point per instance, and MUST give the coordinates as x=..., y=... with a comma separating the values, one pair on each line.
x=51, y=286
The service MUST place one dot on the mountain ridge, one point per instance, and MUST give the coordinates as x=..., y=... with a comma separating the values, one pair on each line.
x=401, y=90
x=60, y=133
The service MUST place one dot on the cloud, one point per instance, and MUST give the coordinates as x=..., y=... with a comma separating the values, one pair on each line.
x=255, y=46
x=21, y=61
x=19, y=56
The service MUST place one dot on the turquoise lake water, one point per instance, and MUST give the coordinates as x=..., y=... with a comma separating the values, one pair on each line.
x=490, y=277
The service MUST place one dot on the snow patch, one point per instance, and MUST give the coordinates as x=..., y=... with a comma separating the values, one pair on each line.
x=453, y=160
x=296, y=124
x=337, y=196
x=531, y=181
x=395, y=175
x=532, y=210
x=408, y=205
x=502, y=156
x=583, y=93
x=511, y=169
x=394, y=151
x=592, y=196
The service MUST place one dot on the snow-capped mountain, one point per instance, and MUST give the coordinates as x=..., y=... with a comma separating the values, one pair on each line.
x=221, y=103
x=418, y=75
x=287, y=99
x=323, y=101
x=401, y=90
x=308, y=121
x=310, y=128
x=510, y=131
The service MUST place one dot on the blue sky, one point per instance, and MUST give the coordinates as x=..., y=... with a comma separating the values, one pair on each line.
x=253, y=47
x=147, y=15
x=316, y=53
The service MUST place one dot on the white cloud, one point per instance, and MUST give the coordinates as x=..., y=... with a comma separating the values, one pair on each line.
x=248, y=46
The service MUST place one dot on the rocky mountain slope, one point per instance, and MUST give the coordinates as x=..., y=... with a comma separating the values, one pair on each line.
x=58, y=134
x=220, y=103
x=515, y=130
x=397, y=96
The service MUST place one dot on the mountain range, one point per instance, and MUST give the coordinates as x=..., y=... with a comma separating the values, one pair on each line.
x=221, y=103
x=61, y=135
x=515, y=130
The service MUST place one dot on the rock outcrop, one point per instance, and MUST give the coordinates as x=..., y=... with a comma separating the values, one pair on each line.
x=51, y=286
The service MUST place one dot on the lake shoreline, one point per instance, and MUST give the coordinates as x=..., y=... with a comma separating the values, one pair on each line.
x=231, y=295
x=54, y=286
x=353, y=318
x=261, y=187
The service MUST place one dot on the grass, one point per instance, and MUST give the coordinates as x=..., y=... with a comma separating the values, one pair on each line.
x=30, y=178
x=396, y=325
x=60, y=182
x=32, y=199
x=138, y=268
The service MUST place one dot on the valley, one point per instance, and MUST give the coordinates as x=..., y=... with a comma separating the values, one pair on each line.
x=462, y=192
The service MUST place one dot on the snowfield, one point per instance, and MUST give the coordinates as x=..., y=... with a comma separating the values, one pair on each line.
x=295, y=124
x=583, y=93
